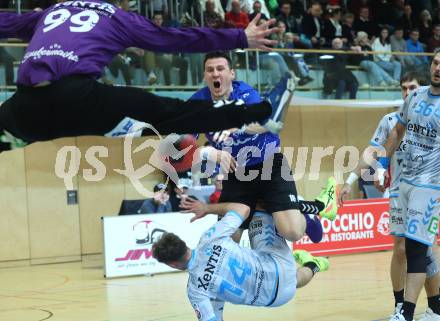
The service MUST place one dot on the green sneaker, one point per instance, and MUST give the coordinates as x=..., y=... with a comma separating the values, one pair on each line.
x=302, y=257
x=328, y=196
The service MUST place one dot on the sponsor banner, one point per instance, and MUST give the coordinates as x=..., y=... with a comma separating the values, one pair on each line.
x=128, y=240
x=360, y=226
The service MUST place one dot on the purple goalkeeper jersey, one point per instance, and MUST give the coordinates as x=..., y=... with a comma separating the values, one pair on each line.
x=81, y=37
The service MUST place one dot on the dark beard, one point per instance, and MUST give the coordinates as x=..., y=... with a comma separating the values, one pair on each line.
x=435, y=84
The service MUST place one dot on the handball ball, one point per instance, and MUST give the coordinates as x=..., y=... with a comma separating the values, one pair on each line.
x=184, y=163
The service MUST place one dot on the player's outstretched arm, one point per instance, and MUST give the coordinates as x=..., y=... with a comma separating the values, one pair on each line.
x=136, y=31
x=200, y=209
x=13, y=25
x=257, y=34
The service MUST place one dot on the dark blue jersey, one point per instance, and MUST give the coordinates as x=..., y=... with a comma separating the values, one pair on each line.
x=242, y=146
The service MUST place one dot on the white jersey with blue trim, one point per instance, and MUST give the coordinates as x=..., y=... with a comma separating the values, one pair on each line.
x=383, y=130
x=222, y=271
x=420, y=113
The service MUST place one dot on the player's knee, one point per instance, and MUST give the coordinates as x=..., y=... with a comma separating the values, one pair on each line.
x=291, y=225
x=432, y=268
x=399, y=249
x=291, y=233
x=415, y=256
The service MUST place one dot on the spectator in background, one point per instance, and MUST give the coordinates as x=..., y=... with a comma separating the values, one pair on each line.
x=356, y=5
x=384, y=60
x=195, y=59
x=121, y=62
x=214, y=197
x=407, y=20
x=434, y=41
x=289, y=40
x=236, y=18
x=247, y=6
x=414, y=45
x=398, y=44
x=287, y=18
x=272, y=6
x=396, y=12
x=419, y=5
x=212, y=18
x=257, y=8
x=348, y=31
x=425, y=26
x=297, y=9
x=139, y=58
x=333, y=27
x=294, y=61
x=365, y=23
x=167, y=61
x=159, y=203
x=337, y=76
x=179, y=192
x=376, y=73
x=159, y=6
x=385, y=13
x=311, y=26
x=8, y=62
x=133, y=58
x=274, y=62
x=201, y=8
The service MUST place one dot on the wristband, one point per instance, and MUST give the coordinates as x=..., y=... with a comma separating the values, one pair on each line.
x=351, y=178
x=384, y=161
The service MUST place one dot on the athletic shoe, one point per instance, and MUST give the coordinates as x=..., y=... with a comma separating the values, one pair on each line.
x=313, y=228
x=429, y=315
x=397, y=309
x=279, y=99
x=397, y=317
x=329, y=198
x=302, y=257
x=8, y=138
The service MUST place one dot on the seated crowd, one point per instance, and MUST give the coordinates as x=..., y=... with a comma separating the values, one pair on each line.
x=352, y=25
x=166, y=198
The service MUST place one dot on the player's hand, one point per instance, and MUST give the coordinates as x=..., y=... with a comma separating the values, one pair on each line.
x=190, y=205
x=226, y=161
x=257, y=34
x=221, y=136
x=380, y=179
x=343, y=193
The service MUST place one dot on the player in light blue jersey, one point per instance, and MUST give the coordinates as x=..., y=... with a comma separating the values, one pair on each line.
x=256, y=167
x=222, y=271
x=409, y=82
x=419, y=190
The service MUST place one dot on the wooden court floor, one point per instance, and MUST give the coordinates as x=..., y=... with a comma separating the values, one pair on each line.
x=356, y=287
